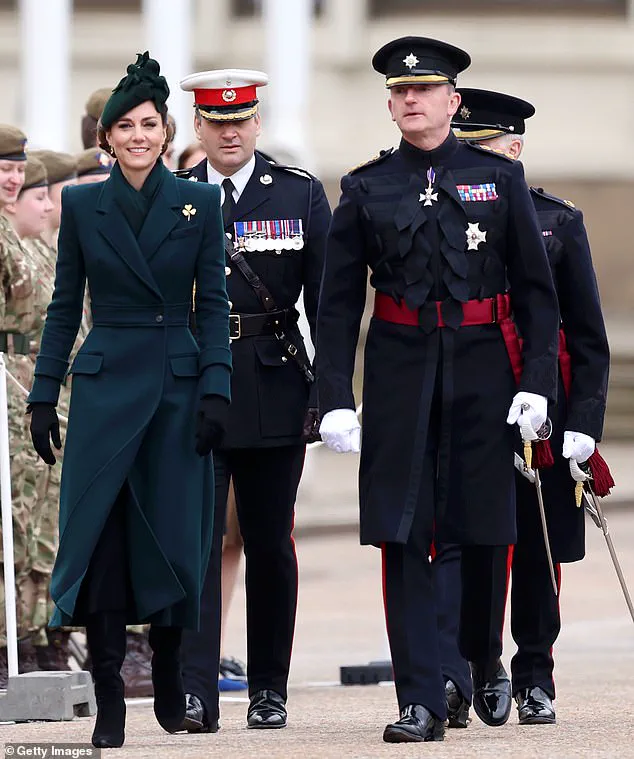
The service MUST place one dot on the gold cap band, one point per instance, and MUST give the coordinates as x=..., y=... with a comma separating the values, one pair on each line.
x=417, y=79
x=479, y=134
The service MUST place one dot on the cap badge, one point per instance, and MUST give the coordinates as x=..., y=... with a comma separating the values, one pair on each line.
x=475, y=236
x=188, y=211
x=266, y=179
x=229, y=96
x=104, y=160
x=465, y=112
x=429, y=195
x=410, y=61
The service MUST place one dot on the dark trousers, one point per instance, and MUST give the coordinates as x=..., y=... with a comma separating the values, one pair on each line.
x=535, y=614
x=265, y=481
x=447, y=586
x=484, y=576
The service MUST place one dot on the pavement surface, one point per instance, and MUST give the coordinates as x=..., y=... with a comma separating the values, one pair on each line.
x=340, y=621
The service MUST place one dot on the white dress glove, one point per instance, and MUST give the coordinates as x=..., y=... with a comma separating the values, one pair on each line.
x=340, y=430
x=531, y=419
x=578, y=446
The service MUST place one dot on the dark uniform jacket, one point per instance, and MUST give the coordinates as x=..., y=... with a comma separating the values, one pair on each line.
x=136, y=384
x=583, y=411
x=447, y=389
x=270, y=395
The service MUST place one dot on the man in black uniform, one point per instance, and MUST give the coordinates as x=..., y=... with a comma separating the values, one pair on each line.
x=497, y=121
x=276, y=219
x=442, y=226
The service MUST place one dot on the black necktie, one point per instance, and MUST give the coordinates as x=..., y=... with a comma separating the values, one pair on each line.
x=229, y=204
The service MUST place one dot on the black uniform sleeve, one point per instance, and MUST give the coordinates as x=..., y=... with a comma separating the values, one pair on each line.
x=318, y=224
x=585, y=332
x=533, y=294
x=341, y=304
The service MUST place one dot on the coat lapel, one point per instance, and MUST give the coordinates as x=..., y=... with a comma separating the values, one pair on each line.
x=256, y=192
x=163, y=216
x=116, y=230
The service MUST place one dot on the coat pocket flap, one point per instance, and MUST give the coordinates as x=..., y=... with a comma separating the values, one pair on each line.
x=184, y=366
x=184, y=231
x=86, y=363
x=269, y=351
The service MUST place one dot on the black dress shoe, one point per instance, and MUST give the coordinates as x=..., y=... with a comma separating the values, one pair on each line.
x=535, y=707
x=492, y=697
x=196, y=720
x=417, y=724
x=457, y=706
x=266, y=710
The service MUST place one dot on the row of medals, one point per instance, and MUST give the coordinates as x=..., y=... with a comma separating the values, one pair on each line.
x=261, y=243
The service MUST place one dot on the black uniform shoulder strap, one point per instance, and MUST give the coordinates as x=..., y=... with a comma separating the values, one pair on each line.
x=541, y=193
x=489, y=151
x=185, y=174
x=380, y=156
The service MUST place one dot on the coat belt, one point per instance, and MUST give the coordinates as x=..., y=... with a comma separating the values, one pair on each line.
x=160, y=315
x=474, y=312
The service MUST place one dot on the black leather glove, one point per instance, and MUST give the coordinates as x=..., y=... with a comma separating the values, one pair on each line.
x=211, y=423
x=310, y=432
x=44, y=428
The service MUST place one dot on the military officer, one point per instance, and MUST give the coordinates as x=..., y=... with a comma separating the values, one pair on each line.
x=443, y=226
x=276, y=220
x=498, y=121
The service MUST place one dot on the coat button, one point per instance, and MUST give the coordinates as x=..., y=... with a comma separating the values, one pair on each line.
x=284, y=359
x=159, y=318
x=230, y=304
x=227, y=271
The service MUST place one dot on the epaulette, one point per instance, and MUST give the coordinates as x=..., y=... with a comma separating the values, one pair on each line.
x=294, y=170
x=561, y=201
x=488, y=150
x=185, y=174
x=380, y=156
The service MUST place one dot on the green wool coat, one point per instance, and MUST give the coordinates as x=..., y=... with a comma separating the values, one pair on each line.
x=136, y=383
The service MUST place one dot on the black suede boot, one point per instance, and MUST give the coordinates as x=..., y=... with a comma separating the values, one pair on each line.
x=105, y=635
x=169, y=694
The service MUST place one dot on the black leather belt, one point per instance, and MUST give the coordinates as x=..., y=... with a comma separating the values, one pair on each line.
x=252, y=325
x=14, y=342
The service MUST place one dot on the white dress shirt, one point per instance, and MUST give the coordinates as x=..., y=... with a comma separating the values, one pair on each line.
x=239, y=179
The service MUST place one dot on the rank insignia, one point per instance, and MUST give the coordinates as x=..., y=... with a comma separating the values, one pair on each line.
x=465, y=112
x=266, y=179
x=470, y=193
x=192, y=179
x=475, y=236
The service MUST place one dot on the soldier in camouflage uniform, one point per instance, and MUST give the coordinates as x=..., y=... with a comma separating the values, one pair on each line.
x=35, y=232
x=17, y=320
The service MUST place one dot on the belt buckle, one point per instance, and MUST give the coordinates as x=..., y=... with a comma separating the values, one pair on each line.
x=494, y=310
x=235, y=321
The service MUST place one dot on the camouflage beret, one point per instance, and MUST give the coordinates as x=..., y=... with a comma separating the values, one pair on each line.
x=93, y=161
x=34, y=174
x=96, y=102
x=59, y=166
x=12, y=143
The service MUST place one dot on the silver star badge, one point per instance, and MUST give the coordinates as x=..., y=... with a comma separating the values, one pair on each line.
x=475, y=236
x=465, y=112
x=266, y=179
x=410, y=61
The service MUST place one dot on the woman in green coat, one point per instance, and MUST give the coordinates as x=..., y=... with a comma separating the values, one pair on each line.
x=148, y=401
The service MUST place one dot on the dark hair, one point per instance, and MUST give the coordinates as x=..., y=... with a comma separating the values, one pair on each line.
x=103, y=142
x=187, y=154
x=88, y=132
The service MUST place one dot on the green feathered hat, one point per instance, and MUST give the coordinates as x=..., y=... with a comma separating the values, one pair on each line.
x=142, y=82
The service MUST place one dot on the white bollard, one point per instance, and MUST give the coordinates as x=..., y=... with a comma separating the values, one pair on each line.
x=7, y=526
